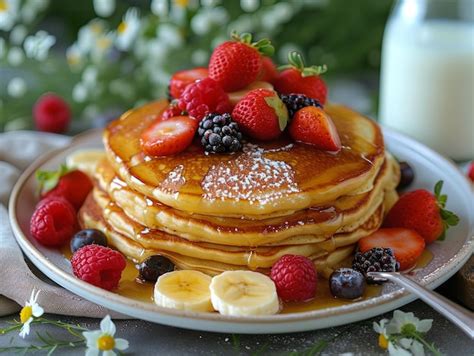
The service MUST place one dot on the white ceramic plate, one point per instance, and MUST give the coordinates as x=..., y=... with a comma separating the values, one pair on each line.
x=449, y=255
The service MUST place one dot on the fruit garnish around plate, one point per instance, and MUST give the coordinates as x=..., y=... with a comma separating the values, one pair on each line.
x=246, y=194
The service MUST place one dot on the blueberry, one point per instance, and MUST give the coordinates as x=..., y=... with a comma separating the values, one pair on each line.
x=407, y=175
x=153, y=267
x=87, y=237
x=347, y=283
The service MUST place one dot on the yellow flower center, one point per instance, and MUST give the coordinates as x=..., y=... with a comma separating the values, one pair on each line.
x=122, y=27
x=95, y=27
x=383, y=342
x=26, y=313
x=105, y=343
x=3, y=5
x=103, y=43
x=182, y=3
x=73, y=59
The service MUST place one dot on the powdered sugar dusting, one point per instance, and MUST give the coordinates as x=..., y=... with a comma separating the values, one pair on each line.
x=174, y=180
x=252, y=177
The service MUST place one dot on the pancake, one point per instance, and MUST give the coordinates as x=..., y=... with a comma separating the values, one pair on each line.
x=98, y=207
x=307, y=226
x=277, y=178
x=90, y=217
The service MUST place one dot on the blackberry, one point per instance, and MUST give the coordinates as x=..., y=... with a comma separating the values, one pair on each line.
x=220, y=133
x=295, y=102
x=375, y=260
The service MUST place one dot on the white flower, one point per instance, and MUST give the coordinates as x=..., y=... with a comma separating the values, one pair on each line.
x=89, y=76
x=89, y=34
x=199, y=57
x=394, y=350
x=407, y=322
x=18, y=34
x=169, y=35
x=3, y=47
x=16, y=87
x=15, y=56
x=249, y=5
x=30, y=311
x=207, y=18
x=210, y=3
x=103, y=44
x=104, y=8
x=128, y=29
x=160, y=7
x=103, y=340
x=79, y=92
x=38, y=46
x=74, y=55
x=8, y=14
x=30, y=9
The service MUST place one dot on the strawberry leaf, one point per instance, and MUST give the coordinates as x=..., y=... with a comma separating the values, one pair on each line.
x=280, y=110
x=48, y=180
x=437, y=188
x=296, y=61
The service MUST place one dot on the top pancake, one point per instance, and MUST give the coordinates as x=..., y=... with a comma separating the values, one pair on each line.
x=278, y=177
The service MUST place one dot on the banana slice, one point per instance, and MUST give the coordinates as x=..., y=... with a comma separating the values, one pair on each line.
x=85, y=160
x=244, y=293
x=184, y=290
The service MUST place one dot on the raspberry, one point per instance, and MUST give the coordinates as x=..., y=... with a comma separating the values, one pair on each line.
x=51, y=114
x=172, y=111
x=203, y=97
x=98, y=265
x=295, y=278
x=54, y=222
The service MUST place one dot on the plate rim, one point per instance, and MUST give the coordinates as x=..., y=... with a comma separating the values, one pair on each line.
x=124, y=305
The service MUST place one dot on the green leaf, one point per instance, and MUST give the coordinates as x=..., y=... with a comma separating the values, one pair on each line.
x=49, y=179
x=438, y=187
x=280, y=110
x=450, y=218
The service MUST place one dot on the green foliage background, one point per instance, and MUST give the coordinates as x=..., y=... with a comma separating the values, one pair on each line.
x=344, y=34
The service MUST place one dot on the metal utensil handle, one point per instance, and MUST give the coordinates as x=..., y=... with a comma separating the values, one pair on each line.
x=457, y=314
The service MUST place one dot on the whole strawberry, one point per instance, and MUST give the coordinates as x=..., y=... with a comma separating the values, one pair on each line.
x=295, y=278
x=73, y=186
x=237, y=63
x=269, y=72
x=261, y=114
x=298, y=79
x=203, y=97
x=423, y=212
x=313, y=126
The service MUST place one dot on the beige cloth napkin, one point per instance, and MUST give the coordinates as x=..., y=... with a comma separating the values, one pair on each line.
x=17, y=150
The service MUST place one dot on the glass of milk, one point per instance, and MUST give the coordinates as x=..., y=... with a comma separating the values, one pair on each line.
x=427, y=78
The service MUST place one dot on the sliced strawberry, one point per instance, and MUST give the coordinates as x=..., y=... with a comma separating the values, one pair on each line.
x=407, y=245
x=180, y=80
x=169, y=136
x=424, y=212
x=312, y=125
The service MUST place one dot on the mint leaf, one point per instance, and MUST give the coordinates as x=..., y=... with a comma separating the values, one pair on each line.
x=48, y=180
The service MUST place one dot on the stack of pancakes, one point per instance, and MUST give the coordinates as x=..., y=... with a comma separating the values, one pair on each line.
x=218, y=212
